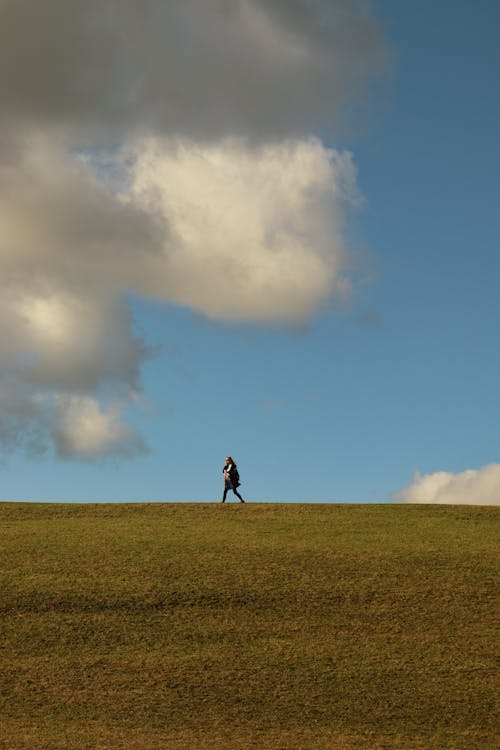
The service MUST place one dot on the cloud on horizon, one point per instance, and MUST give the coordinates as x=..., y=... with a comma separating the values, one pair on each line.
x=165, y=151
x=471, y=487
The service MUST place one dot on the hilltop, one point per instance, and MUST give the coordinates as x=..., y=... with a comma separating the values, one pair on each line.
x=186, y=626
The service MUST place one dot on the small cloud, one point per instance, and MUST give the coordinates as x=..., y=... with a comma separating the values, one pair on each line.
x=270, y=404
x=471, y=487
x=370, y=319
x=86, y=431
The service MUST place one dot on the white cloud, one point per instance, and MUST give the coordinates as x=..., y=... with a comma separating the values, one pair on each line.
x=212, y=195
x=68, y=340
x=234, y=230
x=77, y=426
x=255, y=232
x=471, y=487
x=83, y=429
x=237, y=231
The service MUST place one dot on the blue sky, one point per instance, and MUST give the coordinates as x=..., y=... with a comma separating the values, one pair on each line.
x=401, y=377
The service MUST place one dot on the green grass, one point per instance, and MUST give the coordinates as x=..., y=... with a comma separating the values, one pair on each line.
x=257, y=626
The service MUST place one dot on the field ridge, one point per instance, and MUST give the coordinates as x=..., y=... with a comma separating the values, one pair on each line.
x=200, y=625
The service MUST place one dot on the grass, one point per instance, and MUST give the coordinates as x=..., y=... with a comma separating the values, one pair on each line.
x=186, y=626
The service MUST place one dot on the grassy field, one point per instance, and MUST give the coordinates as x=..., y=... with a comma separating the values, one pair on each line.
x=192, y=626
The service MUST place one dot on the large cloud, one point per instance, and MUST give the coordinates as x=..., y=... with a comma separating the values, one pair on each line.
x=162, y=149
x=203, y=68
x=235, y=231
x=471, y=487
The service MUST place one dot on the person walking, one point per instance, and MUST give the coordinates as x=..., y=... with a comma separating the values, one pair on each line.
x=231, y=479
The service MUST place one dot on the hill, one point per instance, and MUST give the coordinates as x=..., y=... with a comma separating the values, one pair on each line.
x=192, y=626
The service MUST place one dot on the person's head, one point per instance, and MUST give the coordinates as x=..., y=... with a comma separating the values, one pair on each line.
x=229, y=460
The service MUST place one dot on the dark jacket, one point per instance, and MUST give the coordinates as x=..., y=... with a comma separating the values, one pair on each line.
x=234, y=477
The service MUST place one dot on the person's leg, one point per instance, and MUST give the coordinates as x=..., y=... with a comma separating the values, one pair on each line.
x=238, y=494
x=224, y=495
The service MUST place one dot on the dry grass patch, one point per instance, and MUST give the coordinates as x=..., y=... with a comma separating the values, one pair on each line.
x=267, y=626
